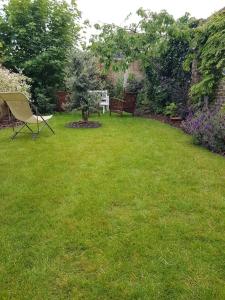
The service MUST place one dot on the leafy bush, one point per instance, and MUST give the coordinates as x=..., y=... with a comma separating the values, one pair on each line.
x=167, y=80
x=44, y=102
x=14, y=82
x=133, y=85
x=171, y=110
x=208, y=127
x=118, y=88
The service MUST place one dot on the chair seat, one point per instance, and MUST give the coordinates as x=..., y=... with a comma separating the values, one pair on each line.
x=36, y=119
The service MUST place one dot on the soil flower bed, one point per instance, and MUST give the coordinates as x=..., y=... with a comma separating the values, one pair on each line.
x=83, y=124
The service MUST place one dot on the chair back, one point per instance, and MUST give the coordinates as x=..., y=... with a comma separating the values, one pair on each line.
x=129, y=102
x=18, y=104
x=102, y=96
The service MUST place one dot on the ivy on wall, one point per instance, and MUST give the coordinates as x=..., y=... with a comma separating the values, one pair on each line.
x=209, y=52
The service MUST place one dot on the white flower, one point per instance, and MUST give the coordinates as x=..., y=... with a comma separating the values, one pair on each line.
x=14, y=82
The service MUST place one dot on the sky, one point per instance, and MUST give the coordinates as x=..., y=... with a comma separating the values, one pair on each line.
x=115, y=11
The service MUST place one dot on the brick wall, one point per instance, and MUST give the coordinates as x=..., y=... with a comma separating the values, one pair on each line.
x=134, y=68
x=195, y=76
x=113, y=77
x=220, y=92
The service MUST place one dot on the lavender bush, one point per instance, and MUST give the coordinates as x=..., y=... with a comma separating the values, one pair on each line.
x=208, y=127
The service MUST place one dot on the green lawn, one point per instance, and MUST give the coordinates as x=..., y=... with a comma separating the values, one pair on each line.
x=131, y=210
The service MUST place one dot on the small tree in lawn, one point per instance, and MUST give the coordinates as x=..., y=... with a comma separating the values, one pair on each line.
x=84, y=76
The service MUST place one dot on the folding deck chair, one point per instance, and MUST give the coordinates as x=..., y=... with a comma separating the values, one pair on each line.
x=19, y=106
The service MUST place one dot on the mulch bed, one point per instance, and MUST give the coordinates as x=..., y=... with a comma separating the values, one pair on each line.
x=82, y=124
x=6, y=123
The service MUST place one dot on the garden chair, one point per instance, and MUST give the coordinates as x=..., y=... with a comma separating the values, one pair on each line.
x=18, y=104
x=127, y=104
x=103, y=99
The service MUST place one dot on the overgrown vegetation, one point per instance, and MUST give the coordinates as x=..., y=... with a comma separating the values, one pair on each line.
x=161, y=44
x=206, y=120
x=209, y=52
x=14, y=82
x=133, y=85
x=208, y=127
x=166, y=49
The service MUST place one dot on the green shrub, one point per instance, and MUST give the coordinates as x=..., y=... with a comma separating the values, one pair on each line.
x=171, y=110
x=118, y=88
x=133, y=85
x=45, y=103
x=14, y=82
x=208, y=127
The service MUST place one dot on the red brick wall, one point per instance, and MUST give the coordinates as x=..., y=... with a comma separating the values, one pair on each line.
x=220, y=92
x=195, y=76
x=134, y=68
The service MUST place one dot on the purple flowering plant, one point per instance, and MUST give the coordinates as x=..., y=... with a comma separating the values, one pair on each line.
x=207, y=127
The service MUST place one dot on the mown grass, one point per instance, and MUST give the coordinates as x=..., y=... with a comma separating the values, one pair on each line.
x=131, y=210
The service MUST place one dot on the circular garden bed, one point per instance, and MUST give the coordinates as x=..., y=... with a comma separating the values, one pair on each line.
x=83, y=124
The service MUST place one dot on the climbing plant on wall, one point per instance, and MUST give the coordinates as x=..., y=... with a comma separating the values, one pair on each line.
x=209, y=52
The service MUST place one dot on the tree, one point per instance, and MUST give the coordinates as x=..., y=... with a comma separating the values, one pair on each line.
x=36, y=36
x=83, y=75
